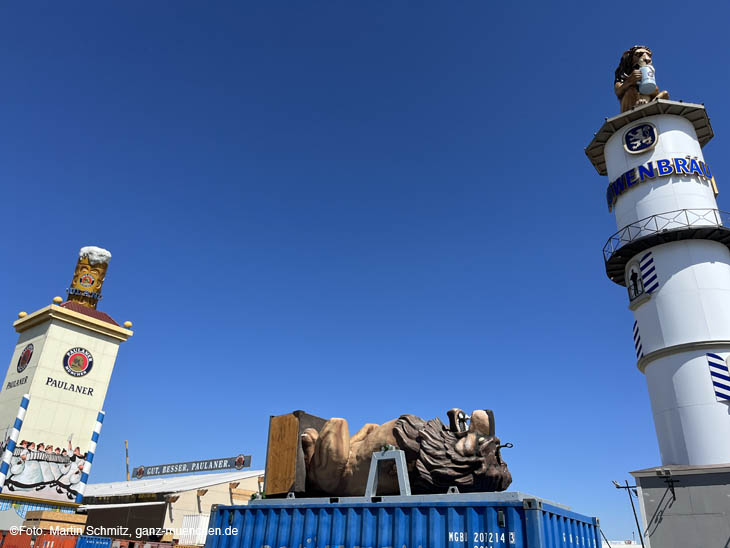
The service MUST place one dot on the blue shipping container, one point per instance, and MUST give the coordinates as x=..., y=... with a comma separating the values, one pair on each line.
x=476, y=520
x=93, y=542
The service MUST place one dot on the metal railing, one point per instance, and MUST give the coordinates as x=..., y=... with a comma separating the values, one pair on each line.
x=672, y=220
x=635, y=290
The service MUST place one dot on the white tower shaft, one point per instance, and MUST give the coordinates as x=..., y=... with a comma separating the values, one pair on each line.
x=671, y=252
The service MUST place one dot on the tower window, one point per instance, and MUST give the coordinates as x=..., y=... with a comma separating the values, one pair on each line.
x=634, y=282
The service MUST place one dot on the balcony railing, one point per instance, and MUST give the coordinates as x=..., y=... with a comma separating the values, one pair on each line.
x=663, y=222
x=635, y=290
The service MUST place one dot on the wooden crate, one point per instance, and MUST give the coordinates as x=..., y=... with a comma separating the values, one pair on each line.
x=47, y=520
x=51, y=515
x=285, y=471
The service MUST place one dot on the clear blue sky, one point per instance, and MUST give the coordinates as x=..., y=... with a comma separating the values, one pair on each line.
x=358, y=209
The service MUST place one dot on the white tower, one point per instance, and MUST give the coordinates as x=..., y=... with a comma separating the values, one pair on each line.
x=671, y=252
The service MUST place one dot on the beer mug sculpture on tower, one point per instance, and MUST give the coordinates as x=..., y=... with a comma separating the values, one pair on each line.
x=89, y=276
x=647, y=85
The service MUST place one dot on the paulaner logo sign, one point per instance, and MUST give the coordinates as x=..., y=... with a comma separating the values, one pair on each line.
x=78, y=362
x=651, y=170
x=24, y=358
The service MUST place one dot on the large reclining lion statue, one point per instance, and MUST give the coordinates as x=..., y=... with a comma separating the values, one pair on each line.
x=437, y=456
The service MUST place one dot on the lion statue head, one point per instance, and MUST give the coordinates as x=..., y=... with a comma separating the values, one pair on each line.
x=631, y=60
x=442, y=457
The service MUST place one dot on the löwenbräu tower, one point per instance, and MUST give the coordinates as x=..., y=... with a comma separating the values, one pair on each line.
x=671, y=253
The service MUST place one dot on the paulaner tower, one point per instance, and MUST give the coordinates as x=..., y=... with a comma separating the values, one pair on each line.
x=671, y=253
x=51, y=403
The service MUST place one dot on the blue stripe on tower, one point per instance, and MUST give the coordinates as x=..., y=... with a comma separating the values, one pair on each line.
x=720, y=377
x=13, y=440
x=637, y=342
x=717, y=375
x=89, y=458
x=648, y=273
x=717, y=363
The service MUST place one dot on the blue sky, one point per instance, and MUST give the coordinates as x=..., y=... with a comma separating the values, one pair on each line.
x=358, y=209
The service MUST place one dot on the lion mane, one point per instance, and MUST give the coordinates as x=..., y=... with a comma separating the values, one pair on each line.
x=430, y=450
x=625, y=66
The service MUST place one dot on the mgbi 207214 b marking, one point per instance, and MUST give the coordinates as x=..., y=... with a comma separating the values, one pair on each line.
x=482, y=539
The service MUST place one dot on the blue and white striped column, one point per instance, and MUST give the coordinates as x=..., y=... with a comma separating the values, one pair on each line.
x=89, y=457
x=720, y=376
x=13, y=440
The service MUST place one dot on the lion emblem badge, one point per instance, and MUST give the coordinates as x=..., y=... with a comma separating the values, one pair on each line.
x=78, y=362
x=640, y=138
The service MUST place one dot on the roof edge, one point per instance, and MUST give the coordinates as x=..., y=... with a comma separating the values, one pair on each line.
x=167, y=484
x=54, y=312
x=693, y=112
